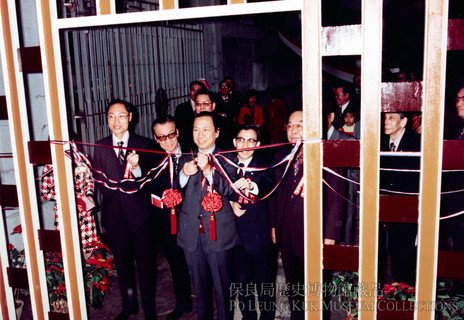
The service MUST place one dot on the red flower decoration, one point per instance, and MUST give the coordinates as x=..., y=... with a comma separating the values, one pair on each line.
x=171, y=198
x=212, y=202
x=17, y=229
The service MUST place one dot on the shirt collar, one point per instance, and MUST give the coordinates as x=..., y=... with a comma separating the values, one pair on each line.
x=398, y=138
x=343, y=106
x=246, y=162
x=210, y=150
x=125, y=139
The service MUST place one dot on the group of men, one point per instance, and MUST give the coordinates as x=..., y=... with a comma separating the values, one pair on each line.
x=225, y=258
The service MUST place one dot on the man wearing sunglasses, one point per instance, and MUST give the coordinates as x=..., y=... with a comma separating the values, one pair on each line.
x=126, y=217
x=255, y=259
x=166, y=135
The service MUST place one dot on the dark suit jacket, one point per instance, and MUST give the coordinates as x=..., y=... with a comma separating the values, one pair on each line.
x=400, y=180
x=184, y=122
x=189, y=222
x=287, y=209
x=253, y=226
x=232, y=107
x=117, y=206
x=335, y=206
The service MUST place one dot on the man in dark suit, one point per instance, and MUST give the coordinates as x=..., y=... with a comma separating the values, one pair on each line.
x=342, y=99
x=254, y=259
x=401, y=236
x=287, y=220
x=126, y=217
x=208, y=245
x=165, y=134
x=227, y=103
x=184, y=114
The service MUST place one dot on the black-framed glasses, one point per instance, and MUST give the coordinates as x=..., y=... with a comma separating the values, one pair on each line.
x=459, y=99
x=171, y=135
x=120, y=116
x=251, y=142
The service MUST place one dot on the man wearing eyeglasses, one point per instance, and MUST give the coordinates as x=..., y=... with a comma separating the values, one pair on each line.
x=205, y=101
x=184, y=114
x=254, y=259
x=166, y=135
x=228, y=103
x=126, y=217
x=287, y=217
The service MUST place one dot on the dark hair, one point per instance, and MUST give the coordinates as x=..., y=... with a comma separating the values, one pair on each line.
x=351, y=110
x=196, y=82
x=345, y=88
x=250, y=127
x=129, y=106
x=162, y=120
x=223, y=81
x=210, y=94
x=251, y=93
x=212, y=115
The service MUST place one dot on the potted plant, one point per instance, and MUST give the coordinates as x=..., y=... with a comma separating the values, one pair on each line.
x=17, y=260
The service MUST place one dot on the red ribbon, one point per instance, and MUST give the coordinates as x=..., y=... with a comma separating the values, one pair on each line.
x=171, y=198
x=173, y=221
x=212, y=227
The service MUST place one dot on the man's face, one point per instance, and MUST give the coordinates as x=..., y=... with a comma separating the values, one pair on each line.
x=166, y=135
x=204, y=133
x=460, y=103
x=340, y=97
x=393, y=123
x=203, y=103
x=193, y=91
x=252, y=101
x=118, y=119
x=224, y=88
x=295, y=127
x=246, y=139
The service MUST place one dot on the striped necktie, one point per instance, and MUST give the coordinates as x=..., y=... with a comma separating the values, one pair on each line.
x=121, y=157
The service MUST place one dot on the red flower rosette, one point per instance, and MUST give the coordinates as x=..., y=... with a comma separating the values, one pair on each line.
x=212, y=202
x=171, y=198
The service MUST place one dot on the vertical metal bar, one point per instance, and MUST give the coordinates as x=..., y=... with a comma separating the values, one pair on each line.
x=435, y=49
x=64, y=182
x=312, y=105
x=24, y=172
x=370, y=147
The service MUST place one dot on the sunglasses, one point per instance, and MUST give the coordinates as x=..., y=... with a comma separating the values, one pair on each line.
x=171, y=135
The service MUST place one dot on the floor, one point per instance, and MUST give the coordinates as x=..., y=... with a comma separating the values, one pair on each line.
x=165, y=300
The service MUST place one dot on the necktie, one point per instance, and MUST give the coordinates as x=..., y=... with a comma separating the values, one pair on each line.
x=240, y=170
x=297, y=163
x=121, y=153
x=174, y=164
x=392, y=147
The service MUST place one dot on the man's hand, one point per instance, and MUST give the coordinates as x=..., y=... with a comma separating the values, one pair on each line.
x=273, y=235
x=329, y=241
x=203, y=162
x=238, y=211
x=133, y=159
x=190, y=168
x=243, y=183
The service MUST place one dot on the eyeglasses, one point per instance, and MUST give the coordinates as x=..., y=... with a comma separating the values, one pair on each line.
x=121, y=117
x=459, y=99
x=251, y=142
x=224, y=86
x=290, y=127
x=203, y=104
x=171, y=135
